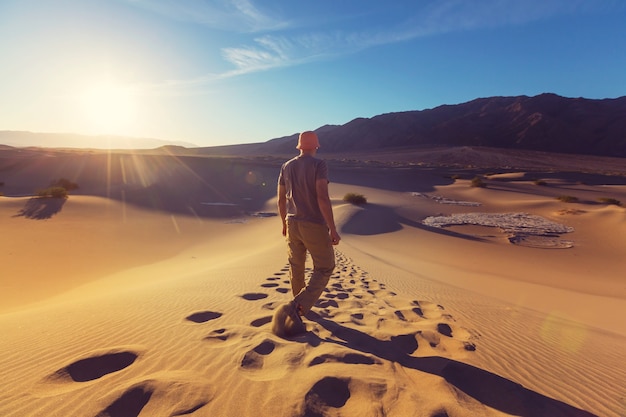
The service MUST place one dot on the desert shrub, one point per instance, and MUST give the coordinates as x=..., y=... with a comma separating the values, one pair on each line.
x=608, y=200
x=354, y=198
x=58, y=189
x=478, y=182
x=54, y=192
x=539, y=182
x=567, y=198
x=64, y=183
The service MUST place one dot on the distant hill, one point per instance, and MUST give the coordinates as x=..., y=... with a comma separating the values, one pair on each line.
x=546, y=122
x=70, y=140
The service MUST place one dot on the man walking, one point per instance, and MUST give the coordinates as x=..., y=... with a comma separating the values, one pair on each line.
x=308, y=224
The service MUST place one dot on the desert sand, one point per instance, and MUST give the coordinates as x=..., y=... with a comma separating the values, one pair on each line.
x=112, y=307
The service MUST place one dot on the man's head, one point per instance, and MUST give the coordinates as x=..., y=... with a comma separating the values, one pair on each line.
x=308, y=141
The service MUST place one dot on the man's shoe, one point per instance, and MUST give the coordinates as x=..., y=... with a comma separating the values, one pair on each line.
x=294, y=323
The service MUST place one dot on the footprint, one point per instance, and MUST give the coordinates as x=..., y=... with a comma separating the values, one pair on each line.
x=129, y=404
x=172, y=393
x=261, y=322
x=221, y=338
x=418, y=311
x=414, y=314
x=444, y=329
x=218, y=334
x=253, y=296
x=253, y=359
x=282, y=290
x=327, y=392
x=269, y=285
x=265, y=348
x=400, y=315
x=96, y=367
x=203, y=316
x=469, y=346
x=428, y=310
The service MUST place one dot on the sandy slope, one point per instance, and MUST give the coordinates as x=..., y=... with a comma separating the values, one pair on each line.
x=89, y=239
x=144, y=313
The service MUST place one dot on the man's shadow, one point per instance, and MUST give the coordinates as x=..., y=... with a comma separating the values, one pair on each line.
x=488, y=388
x=41, y=208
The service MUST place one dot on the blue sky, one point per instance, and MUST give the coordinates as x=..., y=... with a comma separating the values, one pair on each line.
x=218, y=72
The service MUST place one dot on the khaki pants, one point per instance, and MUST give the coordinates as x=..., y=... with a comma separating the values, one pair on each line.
x=303, y=236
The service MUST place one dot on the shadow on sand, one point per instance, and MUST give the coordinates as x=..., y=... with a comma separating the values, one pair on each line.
x=41, y=208
x=376, y=219
x=488, y=388
x=372, y=219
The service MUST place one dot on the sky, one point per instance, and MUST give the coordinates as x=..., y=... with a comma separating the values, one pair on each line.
x=219, y=72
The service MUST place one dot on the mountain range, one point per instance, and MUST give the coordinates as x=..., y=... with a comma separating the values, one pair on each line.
x=546, y=122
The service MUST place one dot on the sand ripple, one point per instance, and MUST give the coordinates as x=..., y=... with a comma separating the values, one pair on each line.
x=367, y=351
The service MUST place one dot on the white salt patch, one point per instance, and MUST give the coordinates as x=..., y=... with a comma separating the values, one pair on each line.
x=545, y=242
x=510, y=222
x=524, y=229
x=445, y=200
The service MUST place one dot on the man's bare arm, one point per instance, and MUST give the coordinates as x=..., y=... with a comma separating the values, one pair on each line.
x=323, y=201
x=282, y=206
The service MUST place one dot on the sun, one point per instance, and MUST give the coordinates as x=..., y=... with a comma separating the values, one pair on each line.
x=108, y=107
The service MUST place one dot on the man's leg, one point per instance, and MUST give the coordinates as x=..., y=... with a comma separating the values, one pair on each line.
x=317, y=240
x=296, y=254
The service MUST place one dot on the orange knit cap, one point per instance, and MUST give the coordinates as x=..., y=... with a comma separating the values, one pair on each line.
x=308, y=140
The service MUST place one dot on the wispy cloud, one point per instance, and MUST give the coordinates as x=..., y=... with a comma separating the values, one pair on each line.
x=447, y=16
x=231, y=15
x=427, y=19
x=267, y=52
x=285, y=45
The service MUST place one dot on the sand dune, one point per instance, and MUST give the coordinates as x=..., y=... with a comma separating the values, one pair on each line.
x=111, y=309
